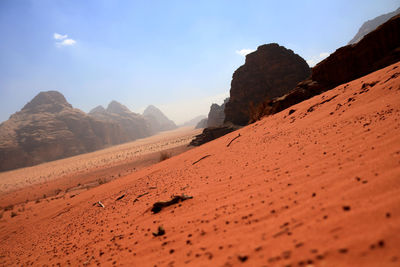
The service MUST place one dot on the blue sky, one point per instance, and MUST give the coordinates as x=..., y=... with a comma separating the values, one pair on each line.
x=176, y=55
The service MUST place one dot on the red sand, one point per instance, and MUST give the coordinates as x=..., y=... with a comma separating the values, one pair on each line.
x=319, y=187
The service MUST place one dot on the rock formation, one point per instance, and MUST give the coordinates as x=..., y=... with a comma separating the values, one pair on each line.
x=133, y=125
x=211, y=133
x=269, y=72
x=372, y=24
x=49, y=128
x=157, y=120
x=376, y=50
x=216, y=116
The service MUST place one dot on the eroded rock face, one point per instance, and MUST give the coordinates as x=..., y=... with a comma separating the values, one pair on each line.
x=211, y=133
x=133, y=125
x=49, y=128
x=157, y=120
x=269, y=72
x=216, y=116
x=376, y=50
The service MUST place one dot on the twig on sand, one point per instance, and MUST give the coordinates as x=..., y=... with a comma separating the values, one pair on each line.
x=233, y=140
x=121, y=197
x=99, y=204
x=158, y=206
x=139, y=196
x=206, y=156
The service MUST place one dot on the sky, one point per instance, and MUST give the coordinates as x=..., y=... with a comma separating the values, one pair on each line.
x=176, y=55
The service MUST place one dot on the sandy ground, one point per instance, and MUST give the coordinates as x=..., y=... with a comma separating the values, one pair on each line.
x=319, y=187
x=88, y=170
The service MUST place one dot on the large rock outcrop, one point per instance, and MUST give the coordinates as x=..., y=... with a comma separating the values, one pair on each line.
x=372, y=24
x=133, y=125
x=216, y=116
x=376, y=50
x=49, y=128
x=157, y=120
x=269, y=72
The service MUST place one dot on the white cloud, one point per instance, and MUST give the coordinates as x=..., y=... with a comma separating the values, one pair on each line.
x=316, y=59
x=58, y=36
x=63, y=40
x=244, y=52
x=67, y=42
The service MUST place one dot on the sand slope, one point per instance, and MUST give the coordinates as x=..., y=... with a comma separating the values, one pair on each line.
x=320, y=187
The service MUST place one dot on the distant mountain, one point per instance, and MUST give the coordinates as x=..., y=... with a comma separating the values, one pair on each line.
x=194, y=121
x=371, y=25
x=49, y=128
x=157, y=120
x=202, y=124
x=133, y=125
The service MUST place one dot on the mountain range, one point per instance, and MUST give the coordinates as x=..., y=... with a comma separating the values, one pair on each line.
x=49, y=128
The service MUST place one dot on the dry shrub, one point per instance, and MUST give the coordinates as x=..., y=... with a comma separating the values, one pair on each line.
x=13, y=214
x=164, y=155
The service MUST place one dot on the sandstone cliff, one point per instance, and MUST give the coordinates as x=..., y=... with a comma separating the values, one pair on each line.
x=49, y=128
x=269, y=72
x=216, y=116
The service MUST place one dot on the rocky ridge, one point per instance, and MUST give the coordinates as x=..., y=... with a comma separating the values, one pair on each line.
x=376, y=50
x=372, y=24
x=133, y=125
x=49, y=128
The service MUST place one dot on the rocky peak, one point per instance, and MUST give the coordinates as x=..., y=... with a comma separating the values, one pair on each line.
x=157, y=120
x=98, y=109
x=50, y=101
x=116, y=107
x=270, y=71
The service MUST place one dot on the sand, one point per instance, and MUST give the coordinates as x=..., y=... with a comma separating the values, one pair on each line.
x=318, y=187
x=88, y=170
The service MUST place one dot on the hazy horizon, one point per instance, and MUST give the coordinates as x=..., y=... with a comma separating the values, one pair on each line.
x=175, y=55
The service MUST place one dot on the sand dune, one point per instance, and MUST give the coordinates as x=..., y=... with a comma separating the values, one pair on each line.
x=318, y=187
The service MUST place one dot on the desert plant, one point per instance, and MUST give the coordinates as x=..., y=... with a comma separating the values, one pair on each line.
x=13, y=214
x=164, y=155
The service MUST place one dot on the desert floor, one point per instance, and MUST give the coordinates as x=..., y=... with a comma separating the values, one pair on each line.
x=319, y=187
x=79, y=173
